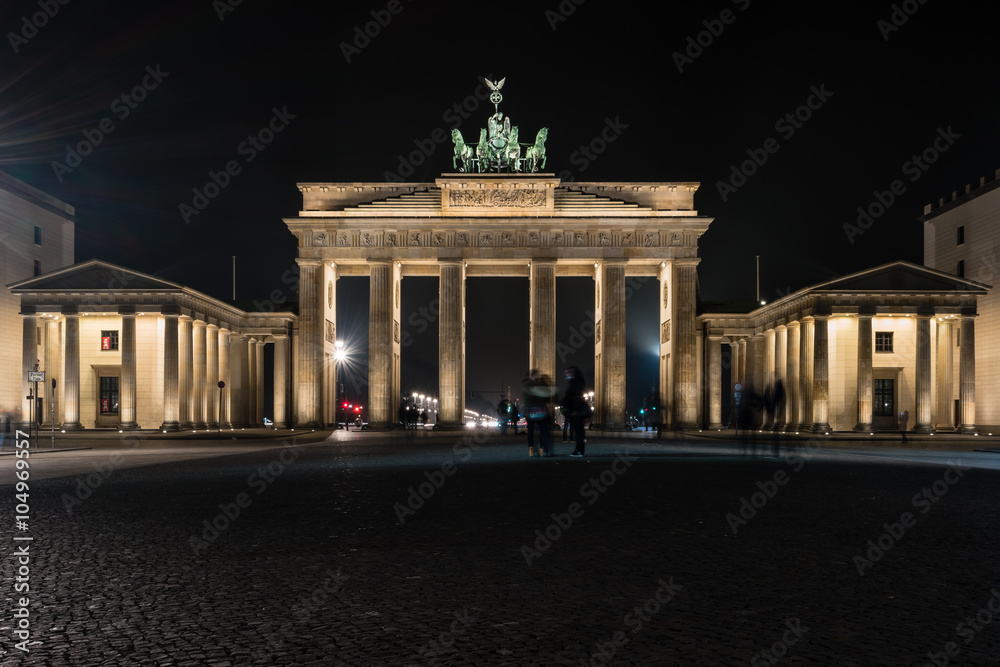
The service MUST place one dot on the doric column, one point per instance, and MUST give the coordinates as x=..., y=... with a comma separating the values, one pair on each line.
x=923, y=371
x=237, y=353
x=767, y=389
x=451, y=335
x=226, y=377
x=245, y=386
x=821, y=373
x=53, y=347
x=542, y=317
x=713, y=344
x=280, y=381
x=610, y=330
x=29, y=355
x=212, y=376
x=308, y=398
x=967, y=376
x=866, y=382
x=127, y=391
x=686, y=395
x=71, y=381
x=780, y=377
x=258, y=351
x=171, y=383
x=806, y=356
x=755, y=375
x=198, y=418
x=793, y=391
x=380, y=331
x=944, y=419
x=185, y=378
x=251, y=392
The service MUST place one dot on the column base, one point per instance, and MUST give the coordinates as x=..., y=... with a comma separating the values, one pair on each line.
x=170, y=426
x=187, y=426
x=128, y=426
x=923, y=428
x=865, y=427
x=823, y=427
x=715, y=427
x=72, y=426
x=968, y=429
x=200, y=426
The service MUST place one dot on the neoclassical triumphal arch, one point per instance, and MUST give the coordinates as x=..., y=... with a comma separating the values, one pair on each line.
x=497, y=224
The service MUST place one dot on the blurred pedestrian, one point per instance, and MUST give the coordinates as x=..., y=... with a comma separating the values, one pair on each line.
x=538, y=392
x=576, y=407
x=904, y=420
x=503, y=415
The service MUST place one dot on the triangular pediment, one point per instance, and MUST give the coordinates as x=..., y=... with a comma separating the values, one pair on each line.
x=900, y=277
x=94, y=275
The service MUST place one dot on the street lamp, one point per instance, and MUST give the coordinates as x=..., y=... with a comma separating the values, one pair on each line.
x=338, y=356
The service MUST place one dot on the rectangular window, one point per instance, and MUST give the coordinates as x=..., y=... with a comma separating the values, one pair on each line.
x=38, y=235
x=109, y=395
x=960, y=272
x=109, y=340
x=883, y=341
x=38, y=268
x=961, y=235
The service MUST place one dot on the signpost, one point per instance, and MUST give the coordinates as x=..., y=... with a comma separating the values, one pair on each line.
x=34, y=377
x=737, y=395
x=222, y=385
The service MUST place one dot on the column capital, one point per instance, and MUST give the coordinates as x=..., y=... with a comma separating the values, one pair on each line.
x=305, y=262
x=212, y=326
x=794, y=324
x=199, y=323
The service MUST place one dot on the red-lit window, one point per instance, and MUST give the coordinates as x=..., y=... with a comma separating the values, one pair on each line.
x=109, y=340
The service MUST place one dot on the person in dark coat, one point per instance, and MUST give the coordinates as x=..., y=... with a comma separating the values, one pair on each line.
x=576, y=407
x=538, y=392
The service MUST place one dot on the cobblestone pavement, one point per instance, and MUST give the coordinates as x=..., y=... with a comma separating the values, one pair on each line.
x=460, y=550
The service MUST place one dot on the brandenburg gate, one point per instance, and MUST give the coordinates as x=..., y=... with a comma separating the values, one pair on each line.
x=497, y=225
x=496, y=217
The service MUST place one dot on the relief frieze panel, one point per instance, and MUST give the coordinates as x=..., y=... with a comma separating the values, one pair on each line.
x=497, y=198
x=505, y=239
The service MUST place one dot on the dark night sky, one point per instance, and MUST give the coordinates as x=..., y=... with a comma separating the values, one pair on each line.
x=892, y=90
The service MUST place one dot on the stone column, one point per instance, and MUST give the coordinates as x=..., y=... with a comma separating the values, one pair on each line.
x=793, y=413
x=185, y=378
x=967, y=376
x=53, y=347
x=280, y=381
x=171, y=384
x=944, y=419
x=225, y=376
x=451, y=334
x=821, y=373
x=71, y=381
x=923, y=372
x=258, y=351
x=610, y=392
x=237, y=351
x=866, y=381
x=714, y=373
x=29, y=355
x=380, y=331
x=806, y=356
x=245, y=386
x=212, y=376
x=198, y=375
x=251, y=385
x=127, y=391
x=770, y=338
x=542, y=317
x=780, y=367
x=686, y=394
x=308, y=398
x=756, y=375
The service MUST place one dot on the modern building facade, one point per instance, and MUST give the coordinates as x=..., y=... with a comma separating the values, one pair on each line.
x=36, y=235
